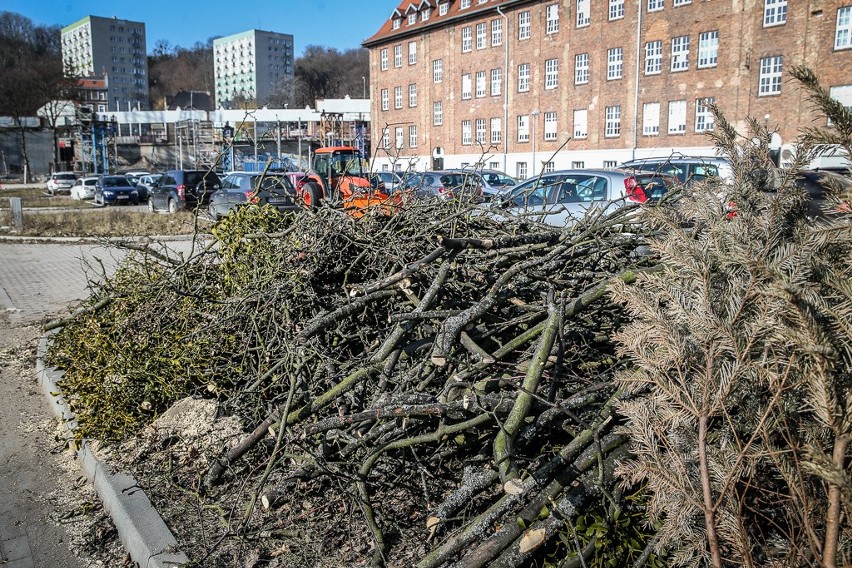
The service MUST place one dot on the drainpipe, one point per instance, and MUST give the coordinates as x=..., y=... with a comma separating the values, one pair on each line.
x=636, y=82
x=505, y=90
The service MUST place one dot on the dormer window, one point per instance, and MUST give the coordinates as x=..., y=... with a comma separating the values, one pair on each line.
x=424, y=15
x=464, y=4
x=412, y=18
x=443, y=8
x=396, y=23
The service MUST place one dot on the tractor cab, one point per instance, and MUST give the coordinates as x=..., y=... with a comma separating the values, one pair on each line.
x=339, y=175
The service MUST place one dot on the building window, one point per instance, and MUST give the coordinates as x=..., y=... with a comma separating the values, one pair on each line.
x=521, y=169
x=467, y=39
x=397, y=97
x=480, y=130
x=466, y=86
x=385, y=100
x=523, y=128
x=384, y=58
x=680, y=53
x=438, y=113
x=400, y=136
x=682, y=2
x=548, y=167
x=655, y=5
x=653, y=57
x=770, y=76
x=443, y=8
x=613, y=121
x=578, y=165
x=583, y=17
x=385, y=138
x=523, y=77
x=481, y=89
x=581, y=69
x=496, y=32
x=412, y=136
x=610, y=164
x=551, y=73
x=581, y=123
x=412, y=95
x=843, y=29
x=464, y=4
x=703, y=116
x=524, y=25
x=481, y=35
x=677, y=117
x=424, y=15
x=616, y=9
x=496, y=130
x=774, y=12
x=651, y=119
x=396, y=23
x=614, y=63
x=397, y=56
x=467, y=135
x=550, y=126
x=438, y=70
x=412, y=53
x=552, y=17
x=496, y=82
x=708, y=49
x=412, y=18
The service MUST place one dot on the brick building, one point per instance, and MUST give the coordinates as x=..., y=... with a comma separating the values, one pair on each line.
x=509, y=82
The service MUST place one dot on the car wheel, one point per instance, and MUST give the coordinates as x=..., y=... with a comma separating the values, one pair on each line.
x=151, y=206
x=172, y=207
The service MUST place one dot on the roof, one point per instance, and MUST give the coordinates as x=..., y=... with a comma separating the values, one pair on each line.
x=454, y=14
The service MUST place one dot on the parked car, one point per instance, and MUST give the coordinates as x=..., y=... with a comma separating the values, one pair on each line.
x=445, y=184
x=115, y=189
x=84, y=188
x=562, y=197
x=494, y=182
x=61, y=182
x=146, y=184
x=183, y=189
x=134, y=176
x=391, y=180
x=686, y=169
x=241, y=188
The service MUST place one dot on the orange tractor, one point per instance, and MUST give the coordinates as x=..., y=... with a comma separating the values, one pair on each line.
x=338, y=176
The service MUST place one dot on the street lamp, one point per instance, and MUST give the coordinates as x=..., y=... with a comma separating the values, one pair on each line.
x=364, y=80
x=535, y=114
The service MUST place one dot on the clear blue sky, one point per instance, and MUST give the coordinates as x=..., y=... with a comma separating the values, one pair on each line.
x=342, y=24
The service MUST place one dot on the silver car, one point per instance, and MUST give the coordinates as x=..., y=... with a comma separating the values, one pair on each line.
x=445, y=184
x=494, y=182
x=562, y=197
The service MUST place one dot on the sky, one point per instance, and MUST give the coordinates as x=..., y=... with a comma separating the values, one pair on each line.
x=341, y=24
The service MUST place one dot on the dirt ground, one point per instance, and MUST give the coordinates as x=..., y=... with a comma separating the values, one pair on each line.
x=41, y=485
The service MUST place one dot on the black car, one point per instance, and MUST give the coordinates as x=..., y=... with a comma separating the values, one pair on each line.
x=115, y=189
x=242, y=188
x=183, y=189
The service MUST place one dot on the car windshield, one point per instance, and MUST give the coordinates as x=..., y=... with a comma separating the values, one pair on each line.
x=500, y=180
x=194, y=178
x=64, y=177
x=276, y=185
x=115, y=181
x=343, y=164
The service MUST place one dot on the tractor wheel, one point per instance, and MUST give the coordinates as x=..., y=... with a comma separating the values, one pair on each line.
x=312, y=194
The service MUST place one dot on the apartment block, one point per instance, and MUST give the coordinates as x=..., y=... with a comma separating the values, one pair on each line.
x=252, y=64
x=523, y=85
x=97, y=48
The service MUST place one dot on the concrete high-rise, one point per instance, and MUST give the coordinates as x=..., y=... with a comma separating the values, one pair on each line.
x=94, y=46
x=252, y=64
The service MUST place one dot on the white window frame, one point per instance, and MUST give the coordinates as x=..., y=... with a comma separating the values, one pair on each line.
x=479, y=131
x=464, y=4
x=443, y=8
x=655, y=5
x=481, y=35
x=614, y=63
x=583, y=16
x=843, y=28
x=581, y=68
x=704, y=120
x=677, y=117
x=551, y=73
x=385, y=99
x=496, y=124
x=681, y=2
x=680, y=54
x=612, y=121
x=467, y=39
x=467, y=87
x=581, y=123
x=397, y=56
x=412, y=95
x=523, y=128
x=550, y=125
x=412, y=53
x=496, y=82
x=616, y=10
x=774, y=13
x=496, y=32
x=396, y=23
x=384, y=59
x=412, y=136
x=771, y=69
x=654, y=57
x=437, y=70
x=524, y=26
x=708, y=49
x=843, y=95
x=424, y=15
x=481, y=89
x=523, y=78
x=438, y=113
x=397, y=97
x=548, y=167
x=521, y=170
x=467, y=134
x=400, y=136
x=651, y=119
x=386, y=138
x=412, y=19
x=552, y=19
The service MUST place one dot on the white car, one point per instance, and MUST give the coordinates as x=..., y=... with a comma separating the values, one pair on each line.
x=84, y=188
x=61, y=182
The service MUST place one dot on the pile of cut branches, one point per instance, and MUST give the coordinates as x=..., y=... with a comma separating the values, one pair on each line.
x=426, y=388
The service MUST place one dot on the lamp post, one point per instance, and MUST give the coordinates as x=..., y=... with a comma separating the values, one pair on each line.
x=535, y=114
x=227, y=148
x=364, y=80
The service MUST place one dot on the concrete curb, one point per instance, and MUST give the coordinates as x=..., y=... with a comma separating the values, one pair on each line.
x=142, y=531
x=97, y=240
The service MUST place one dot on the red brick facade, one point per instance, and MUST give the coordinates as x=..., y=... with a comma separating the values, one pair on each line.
x=803, y=33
